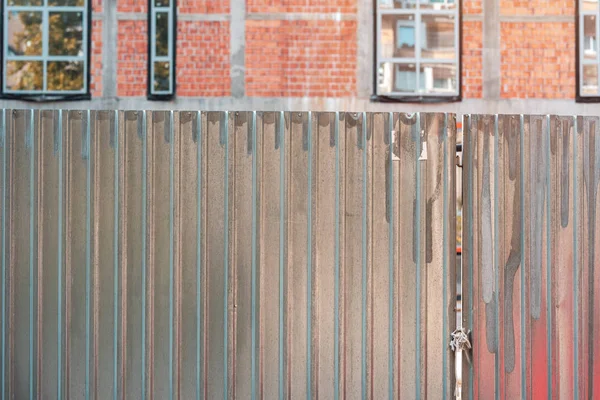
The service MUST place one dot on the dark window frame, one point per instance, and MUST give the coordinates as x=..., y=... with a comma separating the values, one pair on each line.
x=173, y=61
x=418, y=98
x=52, y=97
x=579, y=98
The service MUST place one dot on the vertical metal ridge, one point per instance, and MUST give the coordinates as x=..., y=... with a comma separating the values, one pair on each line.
x=225, y=137
x=390, y=206
x=469, y=241
x=116, y=259
x=31, y=146
x=199, y=314
x=144, y=244
x=364, y=260
x=59, y=134
x=254, y=254
x=4, y=146
x=171, y=248
x=496, y=258
x=575, y=268
x=88, y=254
x=309, y=262
x=282, y=197
x=444, y=348
x=549, y=251
x=336, y=306
x=418, y=145
x=522, y=266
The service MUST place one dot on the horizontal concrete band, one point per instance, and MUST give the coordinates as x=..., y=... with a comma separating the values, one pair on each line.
x=468, y=106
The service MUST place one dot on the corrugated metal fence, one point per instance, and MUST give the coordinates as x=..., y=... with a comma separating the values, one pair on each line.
x=237, y=255
x=531, y=256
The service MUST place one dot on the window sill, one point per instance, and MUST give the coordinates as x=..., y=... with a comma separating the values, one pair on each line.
x=585, y=99
x=415, y=99
x=160, y=97
x=42, y=98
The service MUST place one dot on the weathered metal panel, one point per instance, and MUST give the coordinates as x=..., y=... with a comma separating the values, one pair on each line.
x=226, y=254
x=532, y=287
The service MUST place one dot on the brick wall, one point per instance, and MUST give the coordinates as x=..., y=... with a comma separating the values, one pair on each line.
x=301, y=58
x=538, y=60
x=132, y=61
x=203, y=67
x=537, y=7
x=308, y=6
x=203, y=6
x=96, y=67
x=472, y=62
x=472, y=7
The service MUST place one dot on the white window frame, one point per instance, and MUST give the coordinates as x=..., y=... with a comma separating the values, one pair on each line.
x=583, y=50
x=45, y=58
x=418, y=12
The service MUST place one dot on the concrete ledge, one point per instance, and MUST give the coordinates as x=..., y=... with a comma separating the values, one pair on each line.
x=469, y=106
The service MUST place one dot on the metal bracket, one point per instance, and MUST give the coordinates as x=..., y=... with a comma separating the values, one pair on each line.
x=459, y=342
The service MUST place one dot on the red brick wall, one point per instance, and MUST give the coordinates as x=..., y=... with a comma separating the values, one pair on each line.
x=203, y=6
x=538, y=60
x=96, y=67
x=472, y=62
x=132, y=61
x=132, y=5
x=301, y=58
x=203, y=67
x=472, y=7
x=310, y=6
x=537, y=7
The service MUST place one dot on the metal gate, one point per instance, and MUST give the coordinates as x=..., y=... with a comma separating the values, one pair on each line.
x=226, y=254
x=531, y=257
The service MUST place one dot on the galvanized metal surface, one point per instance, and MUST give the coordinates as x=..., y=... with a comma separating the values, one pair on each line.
x=226, y=255
x=531, y=256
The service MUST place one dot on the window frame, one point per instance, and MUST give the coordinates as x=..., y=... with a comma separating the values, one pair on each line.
x=579, y=53
x=399, y=97
x=45, y=95
x=171, y=58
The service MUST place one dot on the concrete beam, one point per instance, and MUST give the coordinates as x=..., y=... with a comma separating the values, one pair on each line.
x=469, y=106
x=491, y=49
x=237, y=29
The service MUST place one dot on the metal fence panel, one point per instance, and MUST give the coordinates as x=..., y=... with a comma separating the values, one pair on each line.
x=532, y=284
x=226, y=254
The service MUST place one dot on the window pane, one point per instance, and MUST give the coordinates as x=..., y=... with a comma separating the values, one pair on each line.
x=438, y=4
x=65, y=75
x=590, y=40
x=438, y=78
x=162, y=34
x=66, y=34
x=387, y=4
x=161, y=3
x=25, y=2
x=24, y=33
x=437, y=40
x=398, y=36
x=161, y=77
x=24, y=75
x=66, y=3
x=397, y=78
x=589, y=5
x=590, y=80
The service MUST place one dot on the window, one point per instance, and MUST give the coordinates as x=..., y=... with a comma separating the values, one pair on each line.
x=588, y=55
x=45, y=48
x=161, y=82
x=418, y=54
